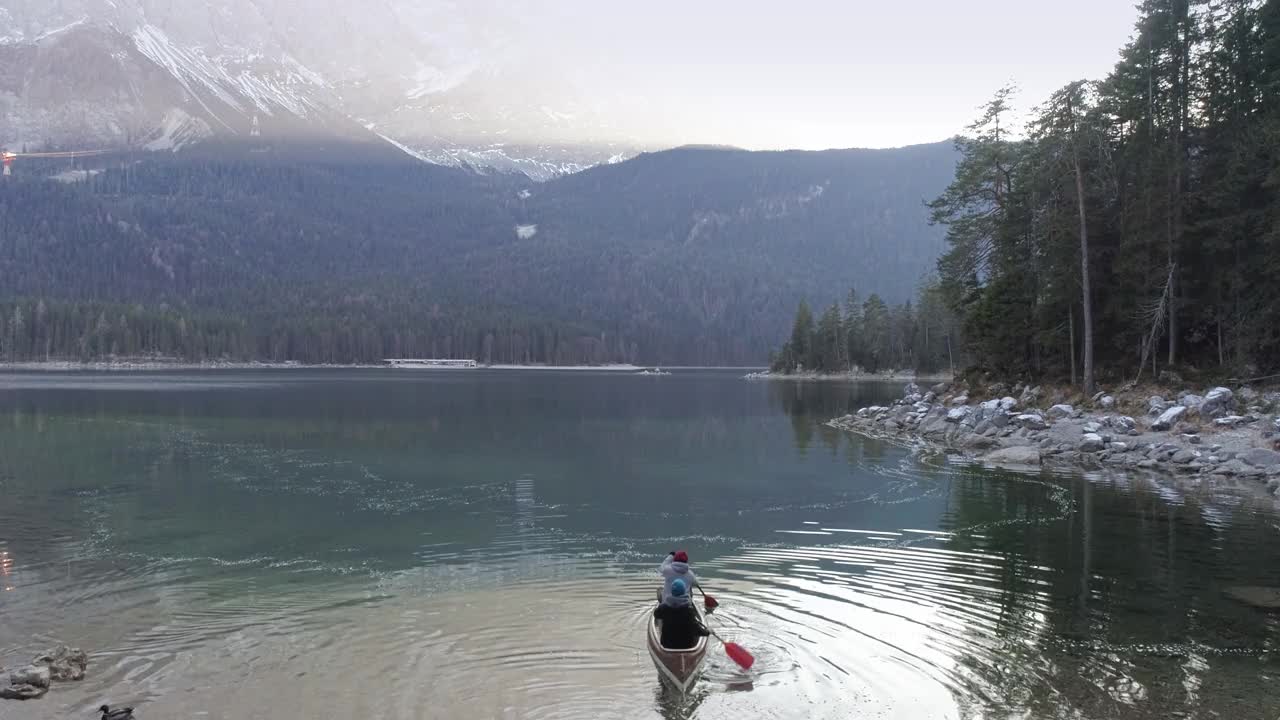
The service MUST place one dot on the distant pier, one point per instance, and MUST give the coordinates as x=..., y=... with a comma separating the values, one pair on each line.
x=424, y=363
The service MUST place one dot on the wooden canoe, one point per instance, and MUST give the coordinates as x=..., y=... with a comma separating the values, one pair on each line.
x=678, y=667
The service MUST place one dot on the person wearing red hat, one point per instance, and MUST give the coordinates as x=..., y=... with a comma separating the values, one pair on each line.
x=676, y=567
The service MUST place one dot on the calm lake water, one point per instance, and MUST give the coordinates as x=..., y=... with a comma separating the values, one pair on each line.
x=472, y=544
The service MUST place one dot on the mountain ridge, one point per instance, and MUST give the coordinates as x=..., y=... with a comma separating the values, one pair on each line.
x=683, y=256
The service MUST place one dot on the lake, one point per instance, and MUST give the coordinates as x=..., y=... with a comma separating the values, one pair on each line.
x=483, y=544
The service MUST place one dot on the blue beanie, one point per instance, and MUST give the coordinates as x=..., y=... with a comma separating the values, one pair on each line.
x=677, y=588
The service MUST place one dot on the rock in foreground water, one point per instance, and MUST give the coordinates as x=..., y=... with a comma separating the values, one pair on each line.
x=64, y=663
x=26, y=683
x=1267, y=598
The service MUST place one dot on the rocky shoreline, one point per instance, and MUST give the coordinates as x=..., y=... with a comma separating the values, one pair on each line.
x=1221, y=434
x=856, y=376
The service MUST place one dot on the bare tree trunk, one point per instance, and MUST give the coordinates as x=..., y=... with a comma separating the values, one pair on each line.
x=1071, y=335
x=1084, y=264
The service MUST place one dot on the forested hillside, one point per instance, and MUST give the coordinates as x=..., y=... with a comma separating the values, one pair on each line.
x=1136, y=223
x=687, y=256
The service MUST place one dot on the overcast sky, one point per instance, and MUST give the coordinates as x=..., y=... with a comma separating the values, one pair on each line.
x=820, y=73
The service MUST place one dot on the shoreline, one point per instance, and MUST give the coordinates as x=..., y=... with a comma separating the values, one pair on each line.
x=1195, y=436
x=164, y=365
x=893, y=375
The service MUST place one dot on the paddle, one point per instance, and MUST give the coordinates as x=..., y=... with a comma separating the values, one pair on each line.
x=708, y=602
x=736, y=652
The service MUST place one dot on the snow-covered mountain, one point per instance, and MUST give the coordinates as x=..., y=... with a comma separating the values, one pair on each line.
x=438, y=79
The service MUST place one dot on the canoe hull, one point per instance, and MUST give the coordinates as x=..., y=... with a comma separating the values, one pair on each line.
x=678, y=667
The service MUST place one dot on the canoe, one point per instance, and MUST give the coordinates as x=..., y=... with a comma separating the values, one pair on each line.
x=678, y=667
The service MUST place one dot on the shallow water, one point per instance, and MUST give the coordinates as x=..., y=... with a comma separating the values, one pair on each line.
x=405, y=544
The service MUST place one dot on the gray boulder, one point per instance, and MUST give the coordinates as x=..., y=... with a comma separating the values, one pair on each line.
x=940, y=388
x=1092, y=427
x=1106, y=402
x=1018, y=455
x=911, y=389
x=1230, y=421
x=1191, y=402
x=957, y=415
x=1119, y=446
x=1008, y=403
x=1182, y=457
x=1124, y=423
x=999, y=419
x=1217, y=402
x=1156, y=405
x=1057, y=412
x=1032, y=421
x=1091, y=442
x=961, y=399
x=1169, y=418
x=1261, y=457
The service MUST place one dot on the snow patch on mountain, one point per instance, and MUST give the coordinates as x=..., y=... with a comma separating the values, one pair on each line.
x=177, y=130
x=232, y=78
x=403, y=148
x=59, y=30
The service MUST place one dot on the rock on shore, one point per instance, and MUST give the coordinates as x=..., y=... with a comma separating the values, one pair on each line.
x=1209, y=434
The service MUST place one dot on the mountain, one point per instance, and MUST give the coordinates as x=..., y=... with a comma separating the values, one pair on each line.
x=687, y=256
x=437, y=79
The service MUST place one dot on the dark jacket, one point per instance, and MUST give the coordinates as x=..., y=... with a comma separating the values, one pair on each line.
x=681, y=627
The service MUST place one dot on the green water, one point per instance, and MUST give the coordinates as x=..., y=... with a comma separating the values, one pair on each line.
x=408, y=544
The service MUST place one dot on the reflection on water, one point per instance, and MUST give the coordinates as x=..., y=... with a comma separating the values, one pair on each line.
x=417, y=545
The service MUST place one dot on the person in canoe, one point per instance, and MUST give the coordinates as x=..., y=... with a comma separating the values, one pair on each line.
x=676, y=567
x=681, y=626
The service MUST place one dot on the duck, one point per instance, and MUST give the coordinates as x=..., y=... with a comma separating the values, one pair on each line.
x=120, y=714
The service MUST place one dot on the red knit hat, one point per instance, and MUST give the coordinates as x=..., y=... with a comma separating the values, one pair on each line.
x=681, y=556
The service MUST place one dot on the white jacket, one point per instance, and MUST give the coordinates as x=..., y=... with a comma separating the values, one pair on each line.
x=672, y=570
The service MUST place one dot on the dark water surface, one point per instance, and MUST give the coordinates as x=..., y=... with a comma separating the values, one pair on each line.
x=407, y=544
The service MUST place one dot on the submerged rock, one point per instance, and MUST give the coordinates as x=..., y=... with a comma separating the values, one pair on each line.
x=64, y=663
x=31, y=675
x=1261, y=457
x=1267, y=598
x=26, y=683
x=1018, y=455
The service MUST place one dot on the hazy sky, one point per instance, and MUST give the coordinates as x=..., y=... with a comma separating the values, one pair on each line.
x=819, y=73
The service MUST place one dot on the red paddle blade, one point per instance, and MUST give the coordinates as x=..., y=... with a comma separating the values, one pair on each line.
x=739, y=654
x=710, y=602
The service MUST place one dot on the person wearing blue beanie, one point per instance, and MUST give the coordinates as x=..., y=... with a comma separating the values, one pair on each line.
x=680, y=625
